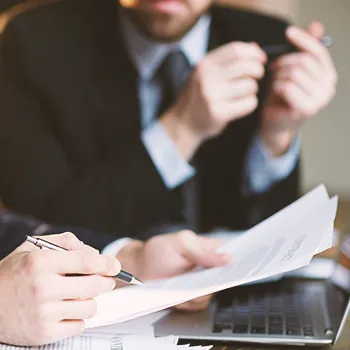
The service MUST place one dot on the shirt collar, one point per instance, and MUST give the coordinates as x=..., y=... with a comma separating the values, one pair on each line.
x=148, y=55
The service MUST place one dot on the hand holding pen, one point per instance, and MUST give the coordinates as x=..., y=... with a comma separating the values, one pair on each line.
x=303, y=81
x=121, y=276
x=49, y=304
x=282, y=49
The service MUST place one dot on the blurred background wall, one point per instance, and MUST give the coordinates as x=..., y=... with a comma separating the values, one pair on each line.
x=326, y=145
x=326, y=139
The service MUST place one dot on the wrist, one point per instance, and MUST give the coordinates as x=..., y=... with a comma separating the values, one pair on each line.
x=186, y=141
x=130, y=257
x=277, y=142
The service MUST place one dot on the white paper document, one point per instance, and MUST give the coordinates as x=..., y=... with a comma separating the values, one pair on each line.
x=127, y=342
x=140, y=326
x=74, y=343
x=286, y=241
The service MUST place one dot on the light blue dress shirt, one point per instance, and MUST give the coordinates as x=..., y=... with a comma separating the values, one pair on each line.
x=262, y=170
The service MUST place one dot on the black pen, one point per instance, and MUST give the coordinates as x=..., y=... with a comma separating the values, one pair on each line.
x=122, y=275
x=281, y=49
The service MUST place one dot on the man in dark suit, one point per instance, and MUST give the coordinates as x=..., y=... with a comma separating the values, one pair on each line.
x=6, y=4
x=163, y=114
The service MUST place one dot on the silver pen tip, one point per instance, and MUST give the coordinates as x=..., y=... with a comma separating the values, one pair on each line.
x=31, y=239
x=136, y=281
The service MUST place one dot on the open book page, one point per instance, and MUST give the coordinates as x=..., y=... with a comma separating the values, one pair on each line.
x=284, y=242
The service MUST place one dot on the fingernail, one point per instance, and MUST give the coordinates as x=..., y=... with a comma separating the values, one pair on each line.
x=292, y=31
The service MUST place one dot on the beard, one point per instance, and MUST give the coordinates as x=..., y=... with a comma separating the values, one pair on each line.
x=163, y=27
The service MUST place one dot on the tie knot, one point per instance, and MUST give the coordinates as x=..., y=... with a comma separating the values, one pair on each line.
x=174, y=70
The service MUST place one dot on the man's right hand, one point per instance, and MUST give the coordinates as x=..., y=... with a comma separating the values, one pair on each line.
x=39, y=304
x=222, y=88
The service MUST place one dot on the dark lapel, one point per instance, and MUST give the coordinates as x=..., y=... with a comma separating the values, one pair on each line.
x=230, y=24
x=116, y=75
x=224, y=27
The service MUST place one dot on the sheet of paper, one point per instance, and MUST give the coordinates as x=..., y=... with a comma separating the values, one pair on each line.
x=74, y=343
x=319, y=268
x=140, y=326
x=284, y=242
x=128, y=342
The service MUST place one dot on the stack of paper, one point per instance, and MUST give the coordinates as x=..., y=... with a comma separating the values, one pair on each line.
x=119, y=342
x=139, y=326
x=285, y=242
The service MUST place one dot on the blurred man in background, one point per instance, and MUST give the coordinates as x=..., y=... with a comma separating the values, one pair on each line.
x=7, y=4
x=166, y=113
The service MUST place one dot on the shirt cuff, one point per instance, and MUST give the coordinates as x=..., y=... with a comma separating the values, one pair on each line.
x=115, y=247
x=172, y=167
x=263, y=170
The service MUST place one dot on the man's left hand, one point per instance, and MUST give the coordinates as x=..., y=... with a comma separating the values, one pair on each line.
x=303, y=83
x=169, y=255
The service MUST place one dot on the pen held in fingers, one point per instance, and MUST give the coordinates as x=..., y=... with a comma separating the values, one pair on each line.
x=281, y=49
x=44, y=244
x=122, y=275
x=128, y=278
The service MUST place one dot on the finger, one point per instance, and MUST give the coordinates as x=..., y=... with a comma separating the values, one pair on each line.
x=195, y=305
x=249, y=68
x=79, y=262
x=316, y=29
x=74, y=309
x=302, y=60
x=306, y=42
x=84, y=287
x=295, y=97
x=66, y=240
x=237, y=50
x=300, y=77
x=192, y=248
x=69, y=241
x=188, y=307
x=238, y=108
x=202, y=300
x=211, y=243
x=236, y=89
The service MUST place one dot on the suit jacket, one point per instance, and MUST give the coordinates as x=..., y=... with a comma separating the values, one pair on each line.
x=70, y=149
x=14, y=228
x=7, y=4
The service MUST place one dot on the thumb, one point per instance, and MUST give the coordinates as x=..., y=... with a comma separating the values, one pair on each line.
x=316, y=29
x=201, y=251
x=67, y=240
